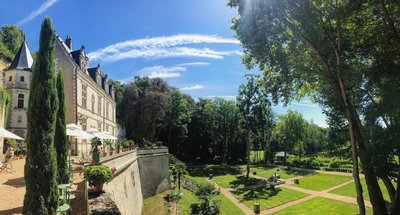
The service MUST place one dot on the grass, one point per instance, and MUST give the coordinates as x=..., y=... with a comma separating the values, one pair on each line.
x=268, y=171
x=227, y=207
x=350, y=190
x=319, y=205
x=156, y=205
x=322, y=181
x=268, y=198
x=227, y=181
x=187, y=199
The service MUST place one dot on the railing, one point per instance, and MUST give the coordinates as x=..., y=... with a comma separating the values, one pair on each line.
x=17, y=85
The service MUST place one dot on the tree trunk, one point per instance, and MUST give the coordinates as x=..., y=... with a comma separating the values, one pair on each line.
x=248, y=157
x=356, y=129
x=396, y=203
x=356, y=176
x=390, y=188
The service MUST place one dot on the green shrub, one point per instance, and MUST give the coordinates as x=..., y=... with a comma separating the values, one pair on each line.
x=334, y=164
x=98, y=174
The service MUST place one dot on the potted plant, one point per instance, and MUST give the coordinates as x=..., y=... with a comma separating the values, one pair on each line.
x=108, y=143
x=130, y=144
x=95, y=150
x=118, y=147
x=97, y=175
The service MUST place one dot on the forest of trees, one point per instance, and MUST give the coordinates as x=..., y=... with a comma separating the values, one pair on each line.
x=213, y=130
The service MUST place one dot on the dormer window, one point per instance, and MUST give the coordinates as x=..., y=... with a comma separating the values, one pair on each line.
x=22, y=79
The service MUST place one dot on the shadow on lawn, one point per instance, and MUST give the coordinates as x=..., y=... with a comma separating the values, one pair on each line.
x=215, y=170
x=257, y=193
x=242, y=180
x=290, y=171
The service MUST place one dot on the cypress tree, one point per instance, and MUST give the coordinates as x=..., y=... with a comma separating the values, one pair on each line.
x=60, y=138
x=41, y=165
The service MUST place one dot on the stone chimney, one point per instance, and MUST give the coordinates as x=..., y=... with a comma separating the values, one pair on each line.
x=68, y=42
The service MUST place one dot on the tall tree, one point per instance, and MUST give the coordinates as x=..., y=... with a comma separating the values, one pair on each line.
x=177, y=120
x=291, y=130
x=247, y=101
x=60, y=138
x=11, y=38
x=313, y=43
x=41, y=195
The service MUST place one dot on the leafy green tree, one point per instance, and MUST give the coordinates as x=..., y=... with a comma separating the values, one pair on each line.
x=318, y=47
x=11, y=38
x=247, y=102
x=207, y=205
x=291, y=130
x=41, y=195
x=60, y=137
x=177, y=120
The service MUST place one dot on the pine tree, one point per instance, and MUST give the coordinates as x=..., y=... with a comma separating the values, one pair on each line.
x=41, y=166
x=60, y=139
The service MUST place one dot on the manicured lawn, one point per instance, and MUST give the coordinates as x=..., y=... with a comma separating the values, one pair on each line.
x=322, y=181
x=228, y=181
x=197, y=179
x=156, y=205
x=350, y=190
x=227, y=207
x=268, y=198
x=268, y=171
x=318, y=206
x=187, y=199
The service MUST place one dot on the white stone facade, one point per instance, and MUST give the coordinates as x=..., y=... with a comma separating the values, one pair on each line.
x=90, y=103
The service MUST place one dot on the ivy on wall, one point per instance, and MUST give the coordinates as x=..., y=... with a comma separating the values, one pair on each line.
x=4, y=101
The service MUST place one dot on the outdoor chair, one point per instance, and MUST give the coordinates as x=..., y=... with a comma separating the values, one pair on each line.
x=6, y=165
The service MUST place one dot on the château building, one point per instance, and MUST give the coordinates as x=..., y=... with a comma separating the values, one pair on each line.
x=16, y=82
x=89, y=95
x=90, y=98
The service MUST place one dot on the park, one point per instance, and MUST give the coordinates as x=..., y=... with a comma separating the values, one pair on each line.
x=200, y=107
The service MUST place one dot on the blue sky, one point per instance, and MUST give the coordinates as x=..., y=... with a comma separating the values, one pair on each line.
x=189, y=43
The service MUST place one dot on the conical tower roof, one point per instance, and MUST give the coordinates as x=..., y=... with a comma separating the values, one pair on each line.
x=23, y=59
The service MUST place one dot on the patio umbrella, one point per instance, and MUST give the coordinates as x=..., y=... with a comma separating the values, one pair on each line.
x=108, y=134
x=74, y=126
x=6, y=134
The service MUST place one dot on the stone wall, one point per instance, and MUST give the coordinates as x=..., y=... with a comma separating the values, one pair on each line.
x=153, y=166
x=140, y=174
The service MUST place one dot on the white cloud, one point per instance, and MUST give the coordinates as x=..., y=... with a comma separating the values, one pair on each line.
x=161, y=71
x=304, y=104
x=164, y=75
x=162, y=47
x=37, y=12
x=194, y=87
x=227, y=97
x=194, y=64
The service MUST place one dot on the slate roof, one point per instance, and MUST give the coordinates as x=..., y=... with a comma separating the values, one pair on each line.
x=23, y=59
x=76, y=56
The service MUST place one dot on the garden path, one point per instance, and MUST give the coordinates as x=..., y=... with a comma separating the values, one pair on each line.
x=231, y=197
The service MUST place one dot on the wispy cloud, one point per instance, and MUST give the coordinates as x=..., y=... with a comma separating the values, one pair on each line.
x=163, y=47
x=37, y=12
x=164, y=75
x=194, y=87
x=161, y=71
x=194, y=64
x=227, y=97
x=304, y=104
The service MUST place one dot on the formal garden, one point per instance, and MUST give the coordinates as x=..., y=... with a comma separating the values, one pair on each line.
x=305, y=191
